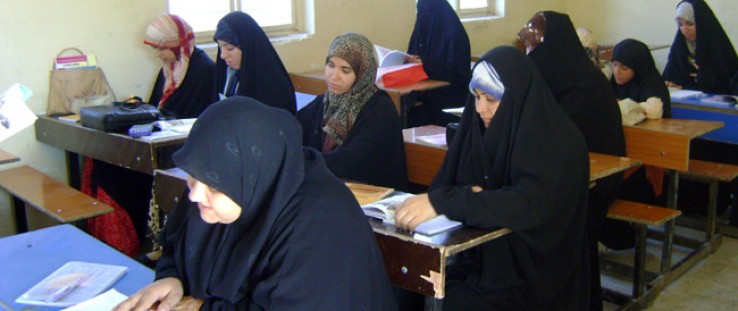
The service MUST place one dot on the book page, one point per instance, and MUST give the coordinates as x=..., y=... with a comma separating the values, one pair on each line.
x=385, y=209
x=389, y=57
x=72, y=283
x=105, y=301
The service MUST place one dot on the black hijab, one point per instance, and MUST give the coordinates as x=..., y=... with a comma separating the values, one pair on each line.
x=579, y=87
x=714, y=54
x=294, y=213
x=647, y=81
x=262, y=75
x=532, y=163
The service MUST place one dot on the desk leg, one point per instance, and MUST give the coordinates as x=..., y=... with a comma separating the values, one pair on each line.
x=21, y=221
x=433, y=304
x=73, y=170
x=639, y=264
x=711, y=212
x=668, y=239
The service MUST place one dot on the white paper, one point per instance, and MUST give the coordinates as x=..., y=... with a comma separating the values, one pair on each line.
x=454, y=111
x=682, y=94
x=389, y=57
x=105, y=301
x=14, y=113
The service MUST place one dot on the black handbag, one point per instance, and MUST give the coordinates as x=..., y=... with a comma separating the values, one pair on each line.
x=119, y=116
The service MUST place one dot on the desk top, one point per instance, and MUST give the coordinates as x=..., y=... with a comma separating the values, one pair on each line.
x=7, y=157
x=117, y=149
x=689, y=129
x=29, y=257
x=601, y=165
x=694, y=103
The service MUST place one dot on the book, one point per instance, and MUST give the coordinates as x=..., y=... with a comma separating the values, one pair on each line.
x=684, y=94
x=72, y=283
x=384, y=210
x=389, y=57
x=719, y=100
x=105, y=301
x=366, y=194
x=436, y=139
x=75, y=62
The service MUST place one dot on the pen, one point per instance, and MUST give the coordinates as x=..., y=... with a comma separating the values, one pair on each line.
x=64, y=290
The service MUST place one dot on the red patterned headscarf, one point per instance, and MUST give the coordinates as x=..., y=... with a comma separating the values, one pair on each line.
x=171, y=32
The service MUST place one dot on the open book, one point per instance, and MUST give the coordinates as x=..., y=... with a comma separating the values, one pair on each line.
x=384, y=210
x=389, y=57
x=72, y=283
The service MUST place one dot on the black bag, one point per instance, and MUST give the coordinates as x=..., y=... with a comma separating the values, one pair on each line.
x=118, y=117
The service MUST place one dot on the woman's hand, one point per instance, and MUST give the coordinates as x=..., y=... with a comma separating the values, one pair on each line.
x=188, y=303
x=414, y=211
x=673, y=85
x=413, y=59
x=162, y=295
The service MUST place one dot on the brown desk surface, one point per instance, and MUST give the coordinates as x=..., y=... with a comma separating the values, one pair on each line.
x=601, y=165
x=117, y=149
x=7, y=157
x=687, y=128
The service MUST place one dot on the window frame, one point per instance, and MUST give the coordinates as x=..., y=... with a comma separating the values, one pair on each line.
x=492, y=9
x=296, y=27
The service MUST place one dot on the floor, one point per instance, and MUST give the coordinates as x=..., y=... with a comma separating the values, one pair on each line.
x=711, y=285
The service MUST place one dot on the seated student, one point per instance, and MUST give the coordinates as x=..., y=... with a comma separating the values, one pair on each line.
x=701, y=56
x=184, y=86
x=248, y=65
x=268, y=228
x=586, y=96
x=517, y=162
x=642, y=94
x=354, y=124
x=440, y=42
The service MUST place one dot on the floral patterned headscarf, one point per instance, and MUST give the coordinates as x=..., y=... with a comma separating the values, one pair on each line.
x=341, y=110
x=168, y=31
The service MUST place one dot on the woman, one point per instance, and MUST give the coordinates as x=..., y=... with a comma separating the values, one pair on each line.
x=517, y=162
x=585, y=95
x=440, y=42
x=269, y=227
x=701, y=56
x=184, y=86
x=354, y=124
x=248, y=65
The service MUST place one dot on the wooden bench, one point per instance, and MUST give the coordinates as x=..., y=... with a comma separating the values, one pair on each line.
x=29, y=187
x=712, y=173
x=641, y=216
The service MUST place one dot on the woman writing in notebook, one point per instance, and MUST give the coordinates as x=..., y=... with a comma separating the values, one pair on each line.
x=517, y=162
x=262, y=231
x=248, y=65
x=354, y=124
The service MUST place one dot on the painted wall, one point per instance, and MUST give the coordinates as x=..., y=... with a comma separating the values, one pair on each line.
x=34, y=31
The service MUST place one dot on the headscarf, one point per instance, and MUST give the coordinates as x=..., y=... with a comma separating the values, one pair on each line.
x=341, y=110
x=253, y=154
x=533, y=162
x=713, y=53
x=168, y=31
x=262, y=75
x=647, y=81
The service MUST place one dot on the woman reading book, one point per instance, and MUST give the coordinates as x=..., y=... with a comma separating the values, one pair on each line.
x=354, y=124
x=268, y=226
x=518, y=162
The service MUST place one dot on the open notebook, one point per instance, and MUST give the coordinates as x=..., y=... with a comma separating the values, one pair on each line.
x=384, y=210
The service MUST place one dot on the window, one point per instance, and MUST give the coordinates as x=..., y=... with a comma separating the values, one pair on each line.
x=478, y=8
x=276, y=17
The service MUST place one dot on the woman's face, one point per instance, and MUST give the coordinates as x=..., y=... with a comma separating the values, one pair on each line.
x=215, y=207
x=230, y=54
x=688, y=29
x=486, y=105
x=339, y=75
x=622, y=74
x=165, y=55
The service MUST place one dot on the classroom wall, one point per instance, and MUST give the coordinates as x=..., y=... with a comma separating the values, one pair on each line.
x=34, y=31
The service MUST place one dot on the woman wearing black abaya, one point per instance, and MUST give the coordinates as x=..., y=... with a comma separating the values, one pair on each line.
x=354, y=124
x=248, y=65
x=586, y=96
x=701, y=56
x=440, y=42
x=270, y=227
x=517, y=162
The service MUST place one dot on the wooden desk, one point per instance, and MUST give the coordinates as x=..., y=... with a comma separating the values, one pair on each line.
x=116, y=149
x=29, y=257
x=414, y=262
x=7, y=157
x=310, y=83
x=423, y=159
